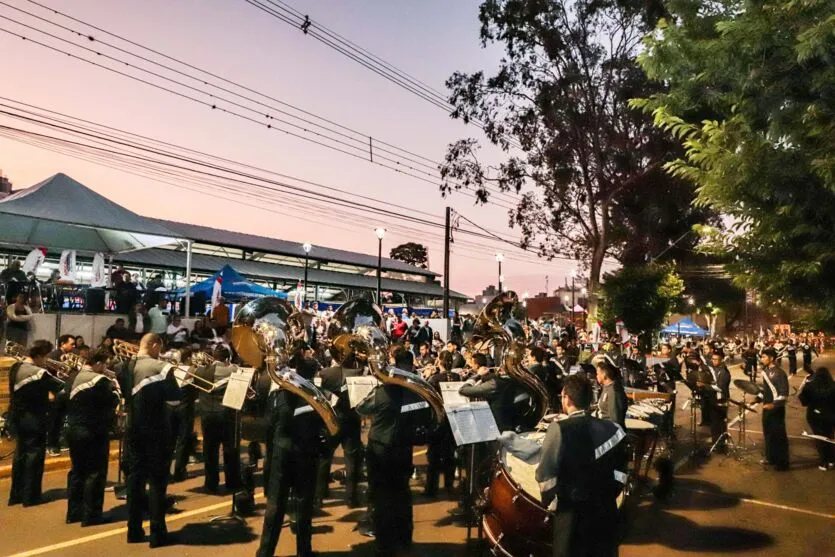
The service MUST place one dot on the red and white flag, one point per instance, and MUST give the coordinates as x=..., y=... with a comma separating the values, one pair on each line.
x=99, y=272
x=66, y=267
x=34, y=260
x=217, y=288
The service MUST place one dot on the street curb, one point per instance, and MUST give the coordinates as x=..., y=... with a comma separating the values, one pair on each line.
x=54, y=463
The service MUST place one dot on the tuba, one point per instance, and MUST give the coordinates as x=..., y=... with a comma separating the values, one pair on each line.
x=497, y=327
x=259, y=336
x=356, y=328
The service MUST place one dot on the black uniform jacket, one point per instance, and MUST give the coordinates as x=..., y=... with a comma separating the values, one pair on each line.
x=91, y=401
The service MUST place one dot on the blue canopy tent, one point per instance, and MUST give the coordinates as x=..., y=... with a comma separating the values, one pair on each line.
x=234, y=286
x=684, y=327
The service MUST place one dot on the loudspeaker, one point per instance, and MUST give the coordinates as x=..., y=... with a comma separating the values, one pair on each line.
x=95, y=301
x=198, y=304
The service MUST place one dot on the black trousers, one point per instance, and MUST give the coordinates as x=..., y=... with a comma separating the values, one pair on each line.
x=219, y=430
x=807, y=363
x=751, y=369
x=350, y=439
x=56, y=417
x=389, y=471
x=717, y=419
x=776, y=438
x=826, y=451
x=148, y=461
x=88, y=474
x=29, y=454
x=792, y=364
x=183, y=427
x=441, y=458
x=291, y=468
x=586, y=531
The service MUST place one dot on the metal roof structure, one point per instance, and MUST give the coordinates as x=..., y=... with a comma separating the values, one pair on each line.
x=64, y=214
x=239, y=240
x=171, y=259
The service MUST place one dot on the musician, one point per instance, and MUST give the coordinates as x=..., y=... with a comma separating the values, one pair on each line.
x=774, y=396
x=18, y=315
x=807, y=350
x=716, y=397
x=546, y=372
x=818, y=396
x=218, y=424
x=611, y=405
x=396, y=413
x=182, y=425
x=560, y=360
x=296, y=446
x=791, y=356
x=453, y=347
x=92, y=399
x=497, y=390
x=424, y=357
x=636, y=356
x=350, y=430
x=441, y=450
x=30, y=385
x=152, y=388
x=580, y=475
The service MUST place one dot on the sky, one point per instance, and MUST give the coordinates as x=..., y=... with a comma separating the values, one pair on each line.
x=428, y=39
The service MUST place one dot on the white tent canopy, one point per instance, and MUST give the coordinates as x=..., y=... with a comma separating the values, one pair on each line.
x=60, y=213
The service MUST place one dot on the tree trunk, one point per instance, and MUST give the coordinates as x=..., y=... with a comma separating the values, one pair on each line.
x=597, y=256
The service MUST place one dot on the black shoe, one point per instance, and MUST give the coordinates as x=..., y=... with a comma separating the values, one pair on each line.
x=213, y=489
x=73, y=519
x=95, y=521
x=14, y=501
x=136, y=537
x=33, y=502
x=160, y=540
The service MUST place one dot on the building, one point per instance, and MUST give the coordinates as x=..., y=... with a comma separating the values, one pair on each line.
x=5, y=186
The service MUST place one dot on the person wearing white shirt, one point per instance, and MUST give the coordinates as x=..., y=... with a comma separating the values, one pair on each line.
x=158, y=318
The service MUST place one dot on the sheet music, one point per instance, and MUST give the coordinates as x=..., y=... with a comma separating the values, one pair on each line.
x=359, y=387
x=449, y=392
x=238, y=385
x=574, y=369
x=652, y=360
x=472, y=423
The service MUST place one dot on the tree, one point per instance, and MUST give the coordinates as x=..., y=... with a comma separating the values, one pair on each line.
x=642, y=296
x=750, y=97
x=558, y=107
x=411, y=253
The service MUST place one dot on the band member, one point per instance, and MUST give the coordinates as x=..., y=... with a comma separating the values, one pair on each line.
x=749, y=355
x=611, y=405
x=333, y=381
x=296, y=446
x=774, y=396
x=30, y=385
x=58, y=408
x=182, y=426
x=91, y=404
x=152, y=388
x=818, y=396
x=791, y=356
x=441, y=450
x=580, y=475
x=497, y=390
x=546, y=371
x=717, y=396
x=395, y=414
x=218, y=424
x=807, y=350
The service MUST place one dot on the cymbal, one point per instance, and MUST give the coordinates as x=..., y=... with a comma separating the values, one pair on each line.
x=743, y=405
x=700, y=375
x=747, y=387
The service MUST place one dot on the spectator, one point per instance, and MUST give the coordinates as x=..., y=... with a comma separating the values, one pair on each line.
x=106, y=344
x=413, y=331
x=138, y=322
x=424, y=335
x=220, y=317
x=118, y=331
x=13, y=273
x=398, y=329
x=66, y=345
x=437, y=343
x=79, y=341
x=159, y=317
x=177, y=333
x=18, y=316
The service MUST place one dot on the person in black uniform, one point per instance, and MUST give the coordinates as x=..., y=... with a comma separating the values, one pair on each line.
x=818, y=396
x=148, y=438
x=791, y=356
x=396, y=413
x=749, y=355
x=580, y=475
x=611, y=405
x=218, y=425
x=774, y=396
x=807, y=350
x=91, y=404
x=333, y=381
x=58, y=408
x=30, y=385
x=182, y=425
x=498, y=390
x=441, y=450
x=716, y=397
x=546, y=371
x=297, y=444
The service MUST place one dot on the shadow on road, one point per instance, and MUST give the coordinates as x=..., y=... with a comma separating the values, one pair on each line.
x=368, y=549
x=214, y=533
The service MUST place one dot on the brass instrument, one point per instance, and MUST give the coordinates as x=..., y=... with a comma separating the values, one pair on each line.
x=356, y=328
x=259, y=336
x=497, y=327
x=59, y=371
x=124, y=350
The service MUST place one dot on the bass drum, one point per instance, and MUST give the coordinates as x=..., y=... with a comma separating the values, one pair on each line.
x=515, y=522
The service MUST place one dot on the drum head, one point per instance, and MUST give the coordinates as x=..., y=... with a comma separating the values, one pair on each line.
x=633, y=424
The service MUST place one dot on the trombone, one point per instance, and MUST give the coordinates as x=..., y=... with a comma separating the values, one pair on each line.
x=57, y=370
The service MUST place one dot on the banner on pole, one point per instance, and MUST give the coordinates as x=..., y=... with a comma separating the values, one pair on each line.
x=66, y=267
x=34, y=260
x=99, y=272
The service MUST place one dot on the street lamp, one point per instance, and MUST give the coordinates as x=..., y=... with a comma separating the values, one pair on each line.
x=573, y=276
x=499, y=259
x=306, y=247
x=380, y=233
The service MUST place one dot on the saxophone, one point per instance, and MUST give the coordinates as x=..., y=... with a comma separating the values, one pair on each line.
x=498, y=329
x=356, y=328
x=259, y=336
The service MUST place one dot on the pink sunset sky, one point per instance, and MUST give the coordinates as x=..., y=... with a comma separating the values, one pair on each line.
x=429, y=39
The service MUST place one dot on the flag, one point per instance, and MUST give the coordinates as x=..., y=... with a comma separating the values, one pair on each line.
x=297, y=299
x=217, y=288
x=66, y=267
x=99, y=272
x=34, y=260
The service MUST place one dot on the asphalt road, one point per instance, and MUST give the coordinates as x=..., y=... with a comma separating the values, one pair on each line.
x=720, y=506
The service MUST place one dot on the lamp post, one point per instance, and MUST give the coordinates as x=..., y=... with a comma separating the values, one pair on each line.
x=380, y=233
x=573, y=276
x=499, y=259
x=306, y=247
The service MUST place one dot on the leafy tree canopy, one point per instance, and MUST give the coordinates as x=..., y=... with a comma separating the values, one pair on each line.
x=751, y=96
x=411, y=253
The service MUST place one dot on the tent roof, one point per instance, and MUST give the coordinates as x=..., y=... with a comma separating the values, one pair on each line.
x=684, y=326
x=233, y=284
x=61, y=213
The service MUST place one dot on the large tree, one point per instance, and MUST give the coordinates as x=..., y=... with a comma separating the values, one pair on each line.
x=558, y=107
x=751, y=97
x=411, y=253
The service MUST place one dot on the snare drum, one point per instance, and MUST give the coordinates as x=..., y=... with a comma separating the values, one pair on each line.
x=642, y=437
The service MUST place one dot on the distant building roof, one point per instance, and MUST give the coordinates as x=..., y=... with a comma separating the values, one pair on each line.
x=227, y=238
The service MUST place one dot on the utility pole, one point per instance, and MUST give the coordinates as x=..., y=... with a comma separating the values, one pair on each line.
x=547, y=293
x=447, y=238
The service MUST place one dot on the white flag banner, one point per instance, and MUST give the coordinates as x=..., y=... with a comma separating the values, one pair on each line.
x=297, y=297
x=217, y=288
x=99, y=272
x=66, y=267
x=34, y=260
